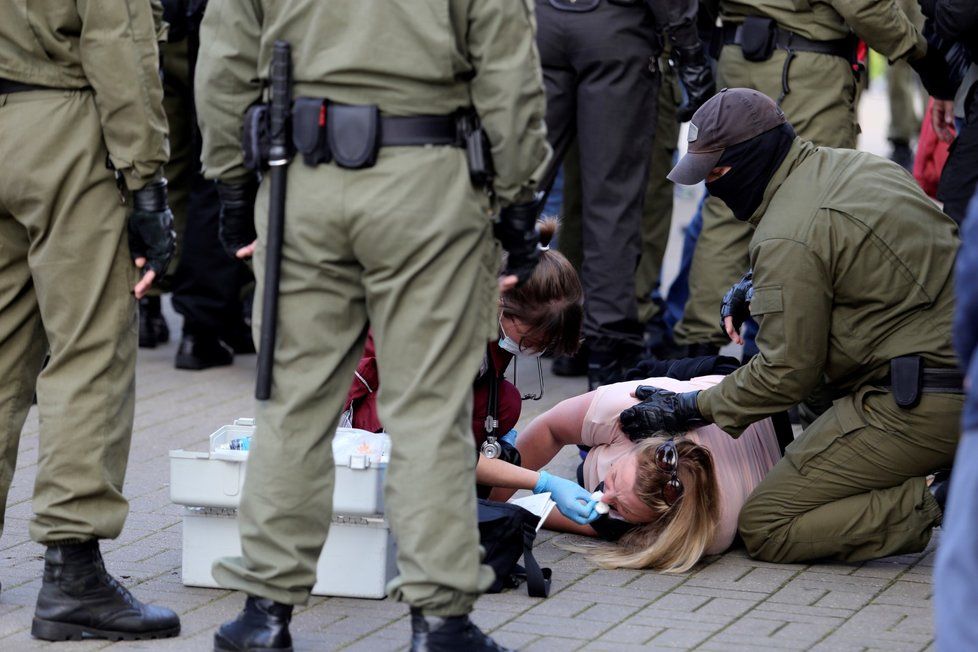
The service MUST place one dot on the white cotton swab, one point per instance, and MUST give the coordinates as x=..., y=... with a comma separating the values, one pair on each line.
x=600, y=507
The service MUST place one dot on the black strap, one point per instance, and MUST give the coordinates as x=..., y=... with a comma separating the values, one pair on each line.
x=9, y=86
x=794, y=42
x=537, y=579
x=935, y=381
x=417, y=130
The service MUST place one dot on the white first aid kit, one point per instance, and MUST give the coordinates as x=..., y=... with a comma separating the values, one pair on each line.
x=358, y=558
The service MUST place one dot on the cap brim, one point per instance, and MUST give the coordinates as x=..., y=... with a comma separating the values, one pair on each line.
x=694, y=167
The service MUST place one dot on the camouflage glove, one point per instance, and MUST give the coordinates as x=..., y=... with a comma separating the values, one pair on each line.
x=660, y=410
x=151, y=234
x=236, y=227
x=736, y=302
x=517, y=231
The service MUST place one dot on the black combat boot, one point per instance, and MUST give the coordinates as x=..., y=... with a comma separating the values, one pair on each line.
x=152, y=326
x=609, y=363
x=571, y=365
x=902, y=154
x=263, y=626
x=79, y=599
x=448, y=634
x=198, y=352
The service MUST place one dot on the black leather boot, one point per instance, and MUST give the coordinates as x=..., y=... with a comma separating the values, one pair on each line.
x=448, y=634
x=571, y=365
x=152, y=326
x=79, y=600
x=198, y=352
x=263, y=626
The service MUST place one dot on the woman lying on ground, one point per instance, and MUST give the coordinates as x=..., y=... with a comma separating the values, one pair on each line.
x=672, y=500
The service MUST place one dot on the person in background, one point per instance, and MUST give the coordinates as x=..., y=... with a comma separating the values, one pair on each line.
x=956, y=571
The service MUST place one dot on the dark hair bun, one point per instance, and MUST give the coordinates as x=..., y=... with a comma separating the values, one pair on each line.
x=547, y=228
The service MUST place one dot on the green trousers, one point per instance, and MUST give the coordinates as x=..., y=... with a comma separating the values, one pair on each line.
x=657, y=208
x=65, y=287
x=852, y=486
x=405, y=246
x=821, y=107
x=904, y=98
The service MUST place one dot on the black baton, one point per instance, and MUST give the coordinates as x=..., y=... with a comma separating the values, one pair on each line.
x=278, y=161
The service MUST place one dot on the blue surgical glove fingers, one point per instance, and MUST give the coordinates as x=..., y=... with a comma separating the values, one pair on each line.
x=510, y=437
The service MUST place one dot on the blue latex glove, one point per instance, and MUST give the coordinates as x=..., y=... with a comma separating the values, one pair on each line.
x=573, y=500
x=510, y=437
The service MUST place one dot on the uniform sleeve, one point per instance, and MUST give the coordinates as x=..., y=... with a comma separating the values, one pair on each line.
x=884, y=26
x=792, y=304
x=120, y=57
x=227, y=83
x=507, y=93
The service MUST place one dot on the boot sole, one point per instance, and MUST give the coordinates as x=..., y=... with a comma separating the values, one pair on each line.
x=220, y=645
x=49, y=630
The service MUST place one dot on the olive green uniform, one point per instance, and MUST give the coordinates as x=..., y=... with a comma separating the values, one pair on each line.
x=405, y=245
x=657, y=206
x=66, y=277
x=852, y=268
x=821, y=106
x=902, y=89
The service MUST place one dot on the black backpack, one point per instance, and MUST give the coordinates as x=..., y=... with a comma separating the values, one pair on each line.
x=506, y=532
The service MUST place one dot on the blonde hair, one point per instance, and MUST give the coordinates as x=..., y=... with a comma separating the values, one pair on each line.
x=676, y=539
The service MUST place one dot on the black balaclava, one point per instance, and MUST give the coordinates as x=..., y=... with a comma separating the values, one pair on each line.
x=752, y=164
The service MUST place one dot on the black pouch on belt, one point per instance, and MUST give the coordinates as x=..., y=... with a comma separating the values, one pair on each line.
x=906, y=380
x=256, y=137
x=758, y=36
x=309, y=130
x=353, y=134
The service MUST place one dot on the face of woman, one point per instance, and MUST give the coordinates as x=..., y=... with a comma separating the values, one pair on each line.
x=518, y=331
x=620, y=494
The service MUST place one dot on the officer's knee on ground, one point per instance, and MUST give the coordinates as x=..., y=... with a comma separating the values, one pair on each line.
x=762, y=526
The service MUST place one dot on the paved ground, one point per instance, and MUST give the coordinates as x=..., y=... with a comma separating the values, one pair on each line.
x=726, y=603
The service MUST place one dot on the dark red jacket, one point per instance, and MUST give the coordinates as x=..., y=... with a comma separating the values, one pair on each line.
x=362, y=396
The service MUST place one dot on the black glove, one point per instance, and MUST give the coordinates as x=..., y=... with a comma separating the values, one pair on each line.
x=935, y=74
x=696, y=76
x=237, y=219
x=151, y=233
x=736, y=302
x=660, y=410
x=517, y=231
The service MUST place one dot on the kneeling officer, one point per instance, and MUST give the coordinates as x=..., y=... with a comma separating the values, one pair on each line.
x=852, y=277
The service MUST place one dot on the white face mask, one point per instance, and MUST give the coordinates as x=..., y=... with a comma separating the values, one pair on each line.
x=509, y=345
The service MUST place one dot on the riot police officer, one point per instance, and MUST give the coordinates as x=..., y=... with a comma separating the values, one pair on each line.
x=853, y=288
x=383, y=223
x=600, y=66
x=77, y=102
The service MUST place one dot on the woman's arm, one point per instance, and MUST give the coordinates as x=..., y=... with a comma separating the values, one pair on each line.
x=559, y=426
x=497, y=473
x=560, y=523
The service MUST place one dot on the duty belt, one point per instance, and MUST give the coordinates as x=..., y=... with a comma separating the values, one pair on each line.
x=787, y=40
x=934, y=381
x=9, y=86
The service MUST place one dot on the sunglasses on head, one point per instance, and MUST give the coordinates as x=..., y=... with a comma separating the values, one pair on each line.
x=667, y=460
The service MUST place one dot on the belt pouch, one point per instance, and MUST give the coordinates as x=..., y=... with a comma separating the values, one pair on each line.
x=906, y=380
x=309, y=130
x=757, y=38
x=353, y=133
x=478, y=151
x=256, y=137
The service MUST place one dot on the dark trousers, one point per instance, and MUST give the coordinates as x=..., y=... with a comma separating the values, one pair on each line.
x=960, y=175
x=205, y=281
x=596, y=68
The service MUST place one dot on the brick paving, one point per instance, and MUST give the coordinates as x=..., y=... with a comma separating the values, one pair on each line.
x=726, y=603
